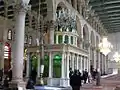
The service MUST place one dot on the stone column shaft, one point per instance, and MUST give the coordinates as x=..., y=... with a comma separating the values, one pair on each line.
x=38, y=67
x=73, y=62
x=50, y=65
x=19, y=46
x=63, y=66
x=28, y=65
x=68, y=65
x=77, y=62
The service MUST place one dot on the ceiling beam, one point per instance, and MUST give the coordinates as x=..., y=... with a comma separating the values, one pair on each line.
x=107, y=19
x=112, y=16
x=108, y=22
x=99, y=2
x=101, y=9
x=109, y=12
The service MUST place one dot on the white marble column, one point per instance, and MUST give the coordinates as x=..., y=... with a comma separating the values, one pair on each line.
x=38, y=66
x=63, y=38
x=17, y=71
x=85, y=63
x=81, y=64
x=28, y=65
x=77, y=62
x=56, y=38
x=95, y=59
x=50, y=81
x=73, y=63
x=63, y=80
x=67, y=79
x=50, y=64
x=63, y=66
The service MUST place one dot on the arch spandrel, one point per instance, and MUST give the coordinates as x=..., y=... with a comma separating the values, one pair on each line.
x=85, y=33
x=78, y=26
x=92, y=38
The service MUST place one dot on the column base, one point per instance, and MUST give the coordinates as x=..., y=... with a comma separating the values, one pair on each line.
x=17, y=84
x=40, y=81
x=64, y=82
x=59, y=82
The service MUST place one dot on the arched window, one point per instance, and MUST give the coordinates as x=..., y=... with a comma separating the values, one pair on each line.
x=66, y=39
x=60, y=39
x=9, y=36
x=71, y=39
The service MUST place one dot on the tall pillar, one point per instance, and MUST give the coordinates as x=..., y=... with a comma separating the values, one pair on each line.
x=62, y=80
x=83, y=63
x=80, y=60
x=63, y=66
x=73, y=63
x=50, y=64
x=63, y=38
x=38, y=66
x=77, y=62
x=17, y=71
x=49, y=81
x=67, y=80
x=28, y=65
x=56, y=39
x=94, y=59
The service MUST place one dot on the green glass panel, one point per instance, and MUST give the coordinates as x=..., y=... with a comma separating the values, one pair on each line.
x=57, y=66
x=71, y=39
x=66, y=39
x=60, y=39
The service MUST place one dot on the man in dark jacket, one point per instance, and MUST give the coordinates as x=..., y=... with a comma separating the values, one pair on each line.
x=75, y=81
x=85, y=76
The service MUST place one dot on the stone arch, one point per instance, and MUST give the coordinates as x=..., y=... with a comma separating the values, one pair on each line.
x=85, y=33
x=92, y=38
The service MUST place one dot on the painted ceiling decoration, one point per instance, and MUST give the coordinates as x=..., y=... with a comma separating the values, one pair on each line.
x=108, y=12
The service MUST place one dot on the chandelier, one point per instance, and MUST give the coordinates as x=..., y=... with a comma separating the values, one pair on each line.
x=105, y=46
x=65, y=19
x=116, y=57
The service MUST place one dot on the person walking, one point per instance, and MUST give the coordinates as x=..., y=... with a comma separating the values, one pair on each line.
x=75, y=81
x=85, y=76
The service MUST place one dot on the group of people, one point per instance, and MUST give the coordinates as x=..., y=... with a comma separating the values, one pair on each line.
x=76, y=78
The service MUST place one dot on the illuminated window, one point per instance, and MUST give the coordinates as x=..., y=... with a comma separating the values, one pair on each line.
x=60, y=39
x=6, y=52
x=9, y=36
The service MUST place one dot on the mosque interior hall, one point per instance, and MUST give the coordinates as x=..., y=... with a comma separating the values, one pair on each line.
x=45, y=40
